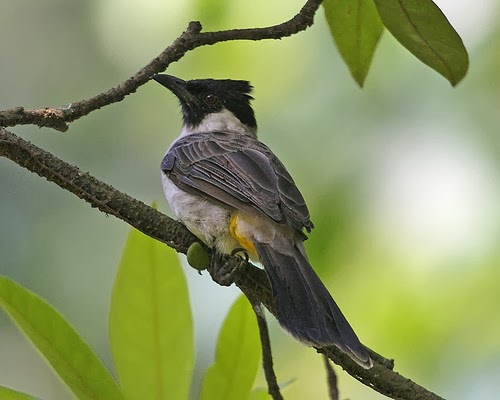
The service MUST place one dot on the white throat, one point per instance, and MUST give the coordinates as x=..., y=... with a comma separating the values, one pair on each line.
x=223, y=121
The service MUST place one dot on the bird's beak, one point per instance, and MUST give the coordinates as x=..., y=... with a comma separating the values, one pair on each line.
x=177, y=86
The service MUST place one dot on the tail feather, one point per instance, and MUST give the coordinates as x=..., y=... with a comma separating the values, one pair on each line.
x=305, y=308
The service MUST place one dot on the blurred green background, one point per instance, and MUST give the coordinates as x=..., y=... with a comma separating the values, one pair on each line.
x=402, y=180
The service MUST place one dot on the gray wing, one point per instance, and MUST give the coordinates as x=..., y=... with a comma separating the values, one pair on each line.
x=237, y=171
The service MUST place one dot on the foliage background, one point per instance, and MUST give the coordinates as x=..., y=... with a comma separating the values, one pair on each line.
x=401, y=179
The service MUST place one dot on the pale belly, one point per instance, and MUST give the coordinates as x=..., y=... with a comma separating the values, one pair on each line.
x=205, y=219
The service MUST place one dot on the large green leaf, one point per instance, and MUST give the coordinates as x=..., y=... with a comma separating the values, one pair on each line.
x=356, y=28
x=150, y=322
x=69, y=355
x=237, y=356
x=11, y=394
x=421, y=27
x=259, y=394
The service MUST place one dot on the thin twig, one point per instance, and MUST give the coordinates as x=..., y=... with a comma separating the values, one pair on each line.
x=331, y=378
x=267, y=356
x=190, y=39
x=158, y=226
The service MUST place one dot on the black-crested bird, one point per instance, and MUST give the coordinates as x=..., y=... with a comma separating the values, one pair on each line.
x=232, y=192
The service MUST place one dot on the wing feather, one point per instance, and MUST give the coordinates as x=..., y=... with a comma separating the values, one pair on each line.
x=238, y=171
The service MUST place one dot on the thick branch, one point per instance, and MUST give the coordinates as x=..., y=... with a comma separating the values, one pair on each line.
x=191, y=38
x=158, y=226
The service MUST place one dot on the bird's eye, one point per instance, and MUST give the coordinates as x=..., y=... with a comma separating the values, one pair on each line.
x=211, y=99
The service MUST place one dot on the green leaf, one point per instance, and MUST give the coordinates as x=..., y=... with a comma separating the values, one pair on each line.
x=356, y=28
x=150, y=322
x=237, y=356
x=11, y=394
x=260, y=394
x=421, y=27
x=69, y=355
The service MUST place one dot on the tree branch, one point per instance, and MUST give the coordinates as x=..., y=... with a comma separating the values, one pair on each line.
x=153, y=223
x=331, y=377
x=253, y=282
x=267, y=357
x=190, y=39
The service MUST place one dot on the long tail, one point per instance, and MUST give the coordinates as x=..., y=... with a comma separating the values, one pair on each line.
x=305, y=308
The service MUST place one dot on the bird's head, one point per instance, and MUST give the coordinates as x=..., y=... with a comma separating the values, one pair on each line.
x=213, y=104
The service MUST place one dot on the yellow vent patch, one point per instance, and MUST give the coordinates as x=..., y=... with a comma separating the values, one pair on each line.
x=243, y=241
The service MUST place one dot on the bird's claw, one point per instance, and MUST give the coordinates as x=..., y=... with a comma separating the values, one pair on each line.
x=224, y=269
x=237, y=251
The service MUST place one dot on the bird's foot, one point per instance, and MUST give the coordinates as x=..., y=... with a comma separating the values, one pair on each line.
x=224, y=269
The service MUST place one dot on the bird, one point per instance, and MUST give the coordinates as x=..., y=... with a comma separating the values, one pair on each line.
x=232, y=192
